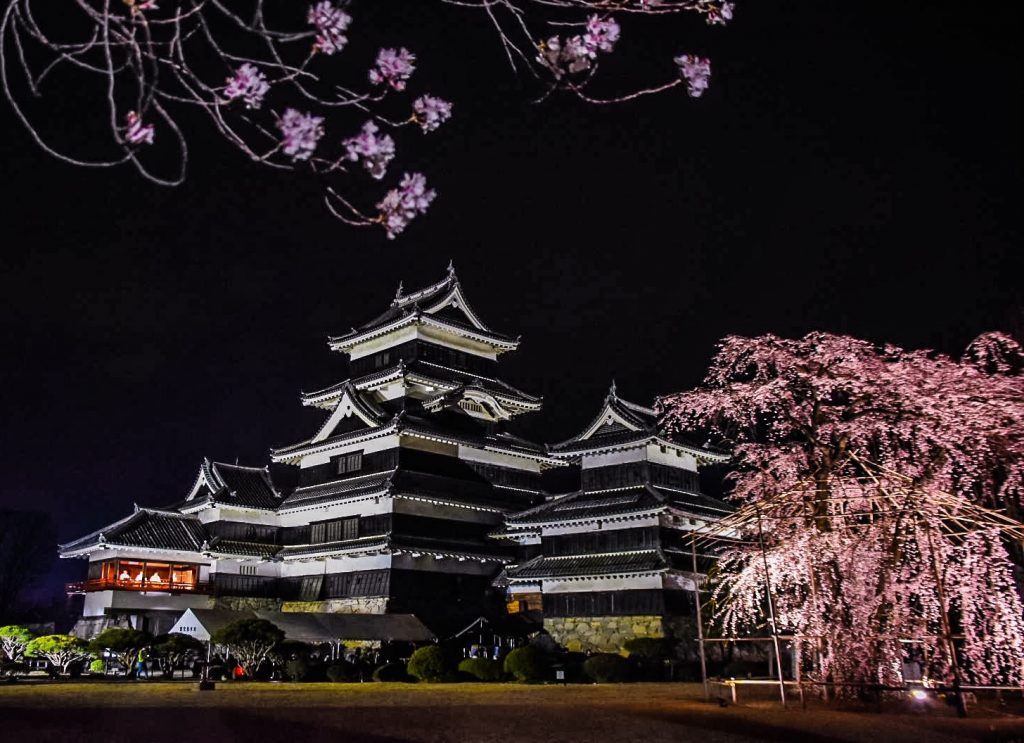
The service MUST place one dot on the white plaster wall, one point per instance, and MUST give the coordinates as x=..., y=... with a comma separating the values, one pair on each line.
x=637, y=454
x=551, y=531
x=370, y=445
x=671, y=457
x=97, y=601
x=471, y=454
x=334, y=565
x=363, y=507
x=603, y=584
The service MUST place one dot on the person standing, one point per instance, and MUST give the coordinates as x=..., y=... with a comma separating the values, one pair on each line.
x=140, y=664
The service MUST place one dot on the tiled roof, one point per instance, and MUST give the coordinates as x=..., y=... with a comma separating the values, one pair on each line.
x=242, y=549
x=147, y=528
x=246, y=486
x=312, y=495
x=374, y=543
x=621, y=563
x=583, y=505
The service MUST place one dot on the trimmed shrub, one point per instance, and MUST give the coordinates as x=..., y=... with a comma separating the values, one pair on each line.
x=97, y=666
x=529, y=664
x=650, y=648
x=391, y=672
x=482, y=669
x=342, y=672
x=608, y=668
x=429, y=664
x=297, y=669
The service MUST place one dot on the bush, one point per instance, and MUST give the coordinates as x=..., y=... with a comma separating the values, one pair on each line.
x=10, y=670
x=342, y=672
x=98, y=666
x=391, y=672
x=650, y=648
x=429, y=664
x=529, y=664
x=608, y=668
x=482, y=669
x=296, y=669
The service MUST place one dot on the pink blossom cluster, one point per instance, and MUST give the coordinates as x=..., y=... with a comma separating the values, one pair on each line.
x=697, y=73
x=331, y=23
x=401, y=205
x=374, y=149
x=576, y=53
x=249, y=84
x=600, y=35
x=135, y=131
x=431, y=111
x=300, y=133
x=394, y=68
x=719, y=15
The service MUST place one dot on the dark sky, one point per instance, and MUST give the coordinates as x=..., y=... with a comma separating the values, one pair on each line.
x=854, y=167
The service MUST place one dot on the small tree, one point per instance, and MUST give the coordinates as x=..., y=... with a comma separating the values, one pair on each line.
x=249, y=640
x=60, y=650
x=482, y=669
x=608, y=668
x=429, y=664
x=528, y=663
x=176, y=647
x=13, y=640
x=123, y=642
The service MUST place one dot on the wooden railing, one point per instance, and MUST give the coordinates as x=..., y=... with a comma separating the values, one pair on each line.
x=106, y=584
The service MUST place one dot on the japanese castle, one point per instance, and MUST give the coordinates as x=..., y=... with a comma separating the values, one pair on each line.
x=412, y=497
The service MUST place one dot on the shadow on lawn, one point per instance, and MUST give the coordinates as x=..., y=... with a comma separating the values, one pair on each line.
x=163, y=725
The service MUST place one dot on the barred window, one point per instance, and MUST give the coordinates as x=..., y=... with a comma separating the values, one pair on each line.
x=352, y=462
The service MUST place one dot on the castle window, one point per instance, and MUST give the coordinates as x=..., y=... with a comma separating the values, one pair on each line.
x=352, y=462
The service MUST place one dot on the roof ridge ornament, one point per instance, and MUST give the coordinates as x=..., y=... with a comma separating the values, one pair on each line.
x=398, y=294
x=451, y=267
x=611, y=390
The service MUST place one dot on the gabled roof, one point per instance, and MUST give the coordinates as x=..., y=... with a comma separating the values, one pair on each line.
x=442, y=304
x=623, y=424
x=407, y=424
x=617, y=417
x=351, y=404
x=233, y=484
x=147, y=528
x=443, y=378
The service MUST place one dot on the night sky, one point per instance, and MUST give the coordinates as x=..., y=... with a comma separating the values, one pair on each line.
x=854, y=167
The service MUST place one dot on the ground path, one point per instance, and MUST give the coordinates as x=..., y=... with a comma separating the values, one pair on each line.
x=141, y=712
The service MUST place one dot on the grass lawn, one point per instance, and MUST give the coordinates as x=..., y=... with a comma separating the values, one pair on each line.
x=461, y=713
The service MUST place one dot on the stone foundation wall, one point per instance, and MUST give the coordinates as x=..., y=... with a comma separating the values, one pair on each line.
x=246, y=603
x=601, y=634
x=376, y=605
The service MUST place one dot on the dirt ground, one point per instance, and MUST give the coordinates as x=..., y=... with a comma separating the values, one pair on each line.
x=465, y=713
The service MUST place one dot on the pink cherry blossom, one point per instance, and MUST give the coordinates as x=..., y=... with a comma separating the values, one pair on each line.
x=330, y=22
x=136, y=132
x=696, y=71
x=374, y=149
x=249, y=84
x=601, y=34
x=300, y=133
x=431, y=112
x=721, y=14
x=394, y=68
x=857, y=554
x=401, y=205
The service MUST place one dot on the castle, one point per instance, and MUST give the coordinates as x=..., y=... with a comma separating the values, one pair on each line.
x=413, y=497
